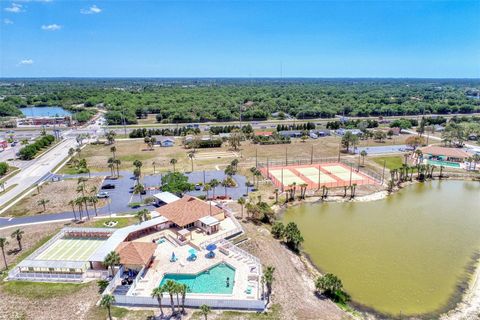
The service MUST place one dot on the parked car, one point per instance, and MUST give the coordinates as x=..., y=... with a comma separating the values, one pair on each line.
x=102, y=194
x=198, y=187
x=108, y=186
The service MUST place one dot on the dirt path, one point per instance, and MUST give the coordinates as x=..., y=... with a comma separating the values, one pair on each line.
x=293, y=287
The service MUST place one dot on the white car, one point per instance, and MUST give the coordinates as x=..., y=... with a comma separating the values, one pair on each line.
x=102, y=194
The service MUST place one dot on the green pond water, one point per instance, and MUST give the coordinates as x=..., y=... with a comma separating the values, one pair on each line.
x=404, y=254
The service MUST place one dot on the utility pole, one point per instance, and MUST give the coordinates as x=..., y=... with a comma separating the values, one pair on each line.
x=311, y=155
x=383, y=171
x=124, y=122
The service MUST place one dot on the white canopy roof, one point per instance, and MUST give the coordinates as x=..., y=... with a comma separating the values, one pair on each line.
x=209, y=220
x=166, y=197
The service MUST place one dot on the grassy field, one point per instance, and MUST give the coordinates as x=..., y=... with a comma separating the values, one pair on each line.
x=40, y=290
x=130, y=150
x=57, y=193
x=391, y=162
x=272, y=314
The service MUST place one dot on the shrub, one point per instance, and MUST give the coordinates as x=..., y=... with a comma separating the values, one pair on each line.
x=293, y=237
x=3, y=168
x=277, y=230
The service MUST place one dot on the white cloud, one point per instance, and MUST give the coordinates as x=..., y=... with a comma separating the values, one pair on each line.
x=34, y=0
x=26, y=62
x=92, y=10
x=7, y=21
x=14, y=8
x=51, y=27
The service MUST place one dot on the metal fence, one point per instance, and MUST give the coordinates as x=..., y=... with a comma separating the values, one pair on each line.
x=369, y=176
x=15, y=274
x=190, y=301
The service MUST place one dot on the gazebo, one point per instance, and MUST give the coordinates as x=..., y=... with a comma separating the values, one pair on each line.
x=183, y=233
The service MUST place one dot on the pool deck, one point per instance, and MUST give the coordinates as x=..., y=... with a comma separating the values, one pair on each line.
x=247, y=273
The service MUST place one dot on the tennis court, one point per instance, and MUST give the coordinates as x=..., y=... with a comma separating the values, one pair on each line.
x=71, y=249
x=343, y=173
x=330, y=174
x=288, y=177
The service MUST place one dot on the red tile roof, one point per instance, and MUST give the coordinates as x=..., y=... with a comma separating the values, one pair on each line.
x=447, y=152
x=136, y=253
x=263, y=133
x=187, y=210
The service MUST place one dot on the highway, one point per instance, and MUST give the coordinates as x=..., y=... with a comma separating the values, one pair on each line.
x=37, y=169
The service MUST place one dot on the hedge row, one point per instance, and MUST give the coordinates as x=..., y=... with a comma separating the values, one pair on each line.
x=30, y=151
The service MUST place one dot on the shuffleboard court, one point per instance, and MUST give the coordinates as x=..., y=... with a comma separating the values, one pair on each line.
x=312, y=174
x=288, y=177
x=71, y=249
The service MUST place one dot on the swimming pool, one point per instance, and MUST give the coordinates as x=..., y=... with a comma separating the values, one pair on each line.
x=213, y=280
x=443, y=163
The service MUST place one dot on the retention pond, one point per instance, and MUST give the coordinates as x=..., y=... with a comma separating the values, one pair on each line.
x=409, y=254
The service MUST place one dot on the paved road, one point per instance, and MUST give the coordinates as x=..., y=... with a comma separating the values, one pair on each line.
x=38, y=169
x=122, y=195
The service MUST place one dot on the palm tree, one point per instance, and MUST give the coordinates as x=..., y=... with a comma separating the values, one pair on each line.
x=183, y=288
x=205, y=310
x=207, y=187
x=79, y=202
x=173, y=162
x=276, y=191
x=191, y=155
x=111, y=260
x=94, y=200
x=72, y=203
x=363, y=154
x=170, y=287
x=158, y=293
x=268, y=278
x=214, y=183
x=17, y=235
x=142, y=215
x=82, y=188
x=241, y=201
x=107, y=301
x=43, y=202
x=257, y=175
x=113, y=149
x=153, y=164
x=139, y=189
x=3, y=243
x=138, y=164
x=117, y=164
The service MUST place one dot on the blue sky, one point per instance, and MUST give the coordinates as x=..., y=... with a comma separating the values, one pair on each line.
x=54, y=38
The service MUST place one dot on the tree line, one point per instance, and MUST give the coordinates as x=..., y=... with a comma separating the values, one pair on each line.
x=196, y=100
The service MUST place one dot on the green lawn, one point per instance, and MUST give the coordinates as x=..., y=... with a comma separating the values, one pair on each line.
x=41, y=290
x=392, y=162
x=122, y=222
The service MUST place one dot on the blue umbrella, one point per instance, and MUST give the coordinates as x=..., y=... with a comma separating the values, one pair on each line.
x=211, y=247
x=173, y=255
x=192, y=251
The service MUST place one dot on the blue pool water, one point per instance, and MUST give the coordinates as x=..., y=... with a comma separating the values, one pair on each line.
x=214, y=280
x=30, y=112
x=444, y=163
